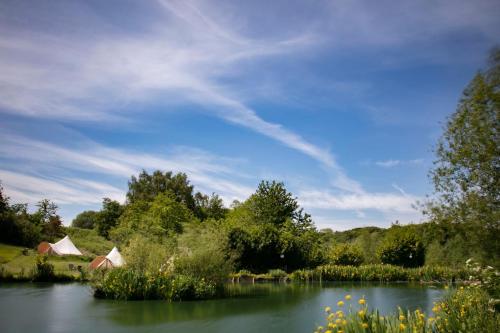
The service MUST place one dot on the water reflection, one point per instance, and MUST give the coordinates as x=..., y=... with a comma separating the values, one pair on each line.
x=269, y=307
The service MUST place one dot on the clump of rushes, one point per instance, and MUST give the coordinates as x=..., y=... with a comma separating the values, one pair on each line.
x=463, y=310
x=382, y=273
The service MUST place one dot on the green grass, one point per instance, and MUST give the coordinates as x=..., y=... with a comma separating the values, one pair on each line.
x=89, y=242
x=9, y=252
x=13, y=261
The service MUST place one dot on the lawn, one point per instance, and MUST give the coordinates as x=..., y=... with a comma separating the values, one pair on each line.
x=14, y=261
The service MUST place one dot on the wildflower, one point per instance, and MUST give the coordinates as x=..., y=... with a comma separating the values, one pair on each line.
x=331, y=316
x=331, y=325
x=362, y=301
x=340, y=303
x=328, y=309
x=361, y=313
x=365, y=325
x=338, y=321
x=328, y=331
x=348, y=297
x=340, y=314
x=401, y=317
x=402, y=327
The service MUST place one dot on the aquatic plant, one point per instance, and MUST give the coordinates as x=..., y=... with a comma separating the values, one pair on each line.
x=463, y=310
x=381, y=273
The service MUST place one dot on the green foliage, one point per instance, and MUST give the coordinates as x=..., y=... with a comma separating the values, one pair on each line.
x=203, y=253
x=85, y=220
x=169, y=214
x=88, y=241
x=381, y=273
x=402, y=247
x=210, y=207
x=108, y=216
x=43, y=271
x=269, y=230
x=463, y=310
x=466, y=175
x=147, y=187
x=128, y=284
x=160, y=218
x=143, y=255
x=345, y=254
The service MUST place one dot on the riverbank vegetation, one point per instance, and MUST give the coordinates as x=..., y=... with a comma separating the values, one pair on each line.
x=470, y=308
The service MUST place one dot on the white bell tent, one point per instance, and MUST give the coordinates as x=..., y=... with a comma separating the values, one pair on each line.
x=65, y=247
x=115, y=257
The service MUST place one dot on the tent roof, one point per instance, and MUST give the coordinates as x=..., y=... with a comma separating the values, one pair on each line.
x=65, y=246
x=115, y=257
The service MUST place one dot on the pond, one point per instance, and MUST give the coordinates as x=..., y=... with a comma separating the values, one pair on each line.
x=252, y=308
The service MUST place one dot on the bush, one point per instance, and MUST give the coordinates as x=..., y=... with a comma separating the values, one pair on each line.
x=401, y=247
x=346, y=254
x=43, y=271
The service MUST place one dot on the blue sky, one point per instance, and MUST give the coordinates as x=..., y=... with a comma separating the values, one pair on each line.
x=341, y=100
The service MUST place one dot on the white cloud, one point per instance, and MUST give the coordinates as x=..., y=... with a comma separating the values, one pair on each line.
x=395, y=163
x=384, y=202
x=35, y=164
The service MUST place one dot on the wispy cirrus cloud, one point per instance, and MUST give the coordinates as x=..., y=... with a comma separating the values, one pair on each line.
x=184, y=57
x=394, y=163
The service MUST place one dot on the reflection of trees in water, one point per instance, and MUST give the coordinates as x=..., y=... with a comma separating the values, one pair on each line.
x=248, y=299
x=243, y=299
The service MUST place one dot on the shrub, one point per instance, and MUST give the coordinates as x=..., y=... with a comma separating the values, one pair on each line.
x=401, y=247
x=43, y=271
x=346, y=254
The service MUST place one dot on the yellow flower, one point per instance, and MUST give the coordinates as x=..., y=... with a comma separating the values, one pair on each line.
x=348, y=297
x=328, y=309
x=331, y=316
x=331, y=325
x=402, y=327
x=338, y=321
x=340, y=331
x=344, y=322
x=362, y=301
x=340, y=303
x=401, y=317
x=328, y=331
x=340, y=314
x=361, y=313
x=365, y=325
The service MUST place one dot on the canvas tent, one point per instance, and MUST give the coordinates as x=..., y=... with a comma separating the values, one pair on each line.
x=113, y=259
x=64, y=247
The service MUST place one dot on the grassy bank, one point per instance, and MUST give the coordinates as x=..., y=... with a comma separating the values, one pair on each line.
x=463, y=310
x=17, y=264
x=381, y=273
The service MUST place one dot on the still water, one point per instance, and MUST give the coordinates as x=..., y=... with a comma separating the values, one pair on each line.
x=253, y=308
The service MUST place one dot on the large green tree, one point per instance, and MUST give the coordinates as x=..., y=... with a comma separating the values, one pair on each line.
x=108, y=216
x=467, y=170
x=86, y=220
